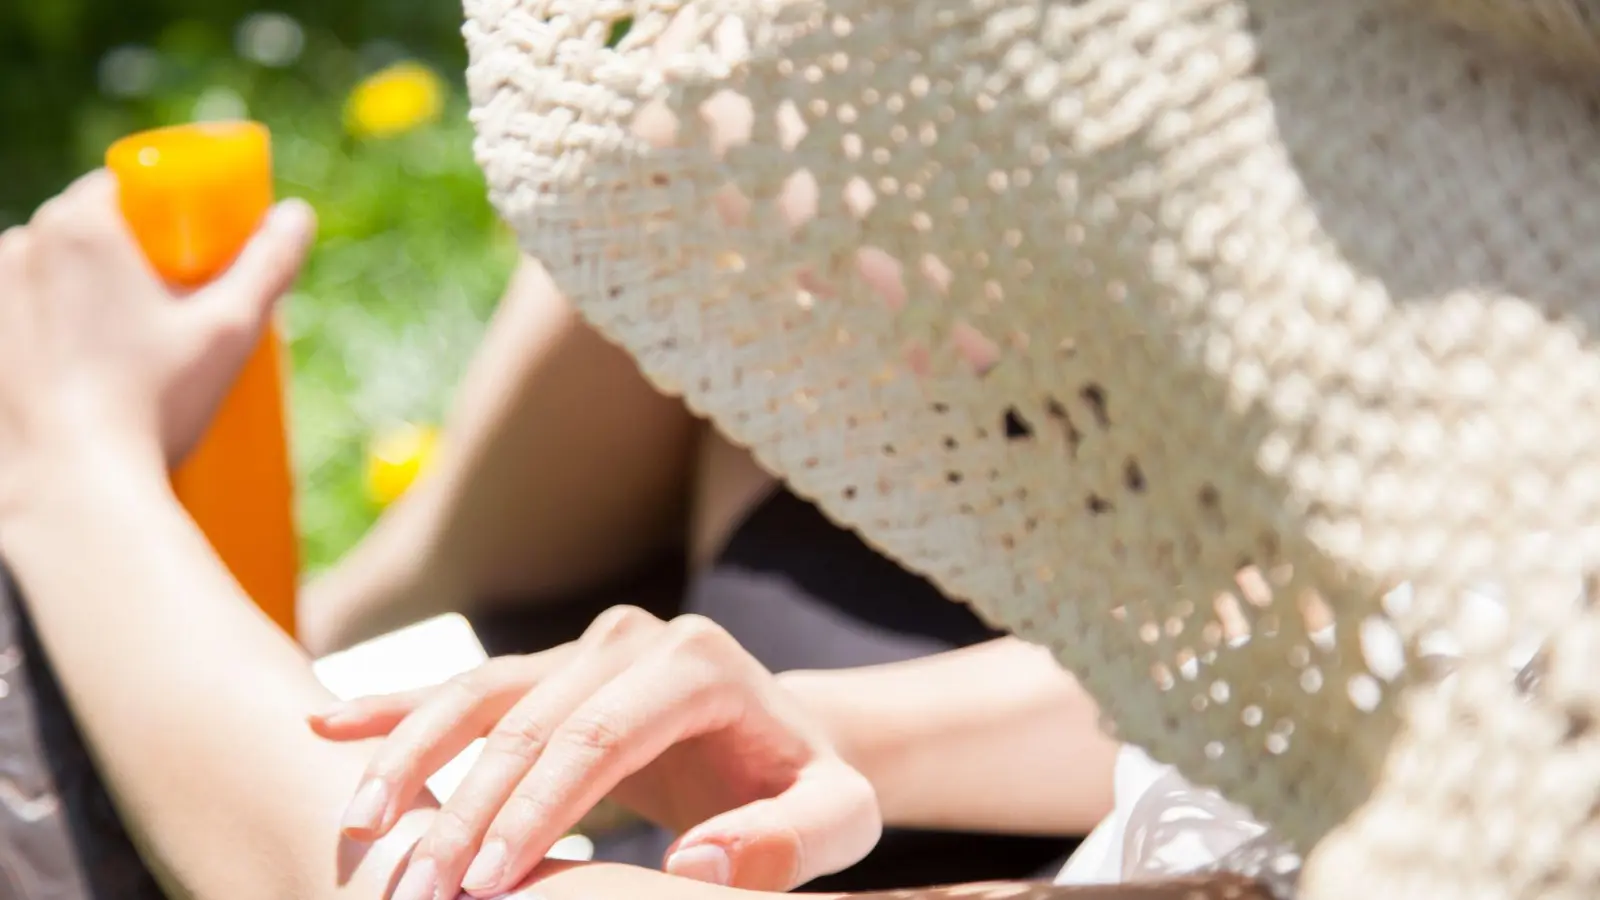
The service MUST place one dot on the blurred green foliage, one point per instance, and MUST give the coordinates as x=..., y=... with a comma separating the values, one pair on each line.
x=51, y=52
x=411, y=258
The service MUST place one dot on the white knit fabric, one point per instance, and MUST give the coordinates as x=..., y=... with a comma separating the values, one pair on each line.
x=1140, y=324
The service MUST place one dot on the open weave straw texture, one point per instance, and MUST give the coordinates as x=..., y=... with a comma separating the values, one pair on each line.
x=1277, y=304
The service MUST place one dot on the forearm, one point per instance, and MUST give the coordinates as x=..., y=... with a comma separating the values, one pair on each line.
x=991, y=738
x=599, y=881
x=193, y=703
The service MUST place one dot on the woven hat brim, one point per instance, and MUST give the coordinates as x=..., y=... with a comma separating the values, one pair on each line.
x=1298, y=289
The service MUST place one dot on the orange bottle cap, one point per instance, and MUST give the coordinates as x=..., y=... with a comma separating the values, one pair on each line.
x=194, y=194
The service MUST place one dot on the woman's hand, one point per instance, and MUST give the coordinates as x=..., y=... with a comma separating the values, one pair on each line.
x=98, y=355
x=672, y=719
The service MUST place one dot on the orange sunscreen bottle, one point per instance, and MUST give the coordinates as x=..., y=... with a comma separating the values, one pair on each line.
x=193, y=196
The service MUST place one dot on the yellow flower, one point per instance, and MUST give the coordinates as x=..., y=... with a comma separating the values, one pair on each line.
x=396, y=100
x=397, y=458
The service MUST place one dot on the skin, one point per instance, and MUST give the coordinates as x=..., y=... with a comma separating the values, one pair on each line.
x=532, y=462
x=105, y=376
x=620, y=718
x=1027, y=758
x=100, y=388
x=675, y=721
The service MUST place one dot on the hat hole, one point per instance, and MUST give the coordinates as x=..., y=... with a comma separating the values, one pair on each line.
x=797, y=199
x=1016, y=427
x=975, y=348
x=1253, y=586
x=1317, y=617
x=1277, y=742
x=1382, y=648
x=859, y=197
x=1094, y=397
x=1133, y=476
x=1365, y=692
x=1056, y=411
x=918, y=359
x=883, y=274
x=1231, y=616
x=618, y=31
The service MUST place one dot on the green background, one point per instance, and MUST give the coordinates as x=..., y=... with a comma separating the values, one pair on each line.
x=410, y=260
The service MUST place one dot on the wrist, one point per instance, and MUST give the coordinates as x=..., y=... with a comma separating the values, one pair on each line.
x=870, y=739
x=69, y=474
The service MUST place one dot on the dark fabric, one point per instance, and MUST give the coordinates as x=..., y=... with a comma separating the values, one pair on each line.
x=507, y=627
x=60, y=838
x=799, y=592
x=821, y=598
x=786, y=537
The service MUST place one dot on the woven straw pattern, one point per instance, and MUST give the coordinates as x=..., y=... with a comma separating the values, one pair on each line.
x=1284, y=303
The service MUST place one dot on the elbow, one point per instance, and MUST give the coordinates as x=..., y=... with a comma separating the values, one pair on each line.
x=313, y=863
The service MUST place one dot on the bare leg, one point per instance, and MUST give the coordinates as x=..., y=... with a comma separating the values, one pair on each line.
x=562, y=467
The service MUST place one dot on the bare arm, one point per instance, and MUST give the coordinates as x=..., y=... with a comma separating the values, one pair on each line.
x=195, y=705
x=1010, y=739
x=564, y=467
x=188, y=696
x=602, y=882
x=781, y=778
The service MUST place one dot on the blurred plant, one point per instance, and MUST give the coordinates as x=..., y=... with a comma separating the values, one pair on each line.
x=410, y=259
x=401, y=98
x=51, y=53
x=397, y=458
x=619, y=30
x=270, y=39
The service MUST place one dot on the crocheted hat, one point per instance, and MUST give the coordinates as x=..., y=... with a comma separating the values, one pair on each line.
x=1172, y=334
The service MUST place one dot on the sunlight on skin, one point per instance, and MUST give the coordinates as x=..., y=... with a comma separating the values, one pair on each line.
x=547, y=884
x=732, y=121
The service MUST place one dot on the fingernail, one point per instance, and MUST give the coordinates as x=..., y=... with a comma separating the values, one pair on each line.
x=486, y=868
x=421, y=882
x=366, y=810
x=707, y=862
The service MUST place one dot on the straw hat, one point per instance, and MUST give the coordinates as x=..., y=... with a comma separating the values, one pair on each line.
x=1177, y=321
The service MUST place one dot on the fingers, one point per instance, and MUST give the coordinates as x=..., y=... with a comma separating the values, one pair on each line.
x=87, y=210
x=421, y=744
x=678, y=691
x=503, y=680
x=426, y=730
x=442, y=858
x=93, y=189
x=85, y=220
x=96, y=189
x=13, y=245
x=237, y=305
x=828, y=821
x=368, y=717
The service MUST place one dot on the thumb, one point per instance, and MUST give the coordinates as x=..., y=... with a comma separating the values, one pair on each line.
x=243, y=297
x=826, y=822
